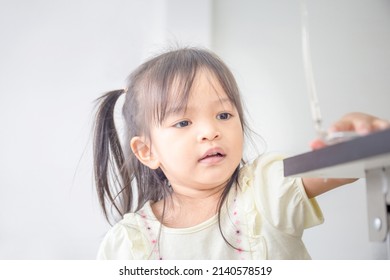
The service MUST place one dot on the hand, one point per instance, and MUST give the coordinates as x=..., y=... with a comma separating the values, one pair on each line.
x=360, y=123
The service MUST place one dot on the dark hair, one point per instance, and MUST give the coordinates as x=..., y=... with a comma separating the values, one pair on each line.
x=119, y=175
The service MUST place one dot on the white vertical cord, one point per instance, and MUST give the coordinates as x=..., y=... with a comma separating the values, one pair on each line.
x=308, y=69
x=328, y=138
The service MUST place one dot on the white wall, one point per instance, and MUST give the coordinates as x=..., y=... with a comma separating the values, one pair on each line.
x=58, y=56
x=350, y=44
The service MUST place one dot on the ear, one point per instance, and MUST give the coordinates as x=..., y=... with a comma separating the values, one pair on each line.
x=141, y=149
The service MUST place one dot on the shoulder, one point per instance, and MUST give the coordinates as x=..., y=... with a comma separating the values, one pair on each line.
x=265, y=177
x=268, y=166
x=125, y=240
x=281, y=200
x=263, y=181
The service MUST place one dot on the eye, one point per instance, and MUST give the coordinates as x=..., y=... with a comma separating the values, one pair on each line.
x=182, y=124
x=224, y=116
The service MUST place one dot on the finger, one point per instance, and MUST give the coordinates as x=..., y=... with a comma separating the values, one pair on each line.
x=361, y=126
x=368, y=125
x=380, y=124
x=342, y=125
x=317, y=144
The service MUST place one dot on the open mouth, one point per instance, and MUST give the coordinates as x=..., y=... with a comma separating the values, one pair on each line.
x=213, y=155
x=216, y=154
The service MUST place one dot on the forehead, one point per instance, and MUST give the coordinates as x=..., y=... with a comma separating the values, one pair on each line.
x=205, y=89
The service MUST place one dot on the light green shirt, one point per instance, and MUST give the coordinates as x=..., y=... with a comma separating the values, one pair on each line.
x=263, y=219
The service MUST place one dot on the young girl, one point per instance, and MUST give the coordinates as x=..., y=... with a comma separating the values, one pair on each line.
x=178, y=180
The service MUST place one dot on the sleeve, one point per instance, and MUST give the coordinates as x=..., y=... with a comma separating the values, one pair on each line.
x=283, y=200
x=122, y=243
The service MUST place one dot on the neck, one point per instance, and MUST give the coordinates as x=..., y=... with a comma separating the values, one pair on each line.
x=184, y=210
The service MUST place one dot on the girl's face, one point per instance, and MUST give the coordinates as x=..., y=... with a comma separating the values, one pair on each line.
x=200, y=146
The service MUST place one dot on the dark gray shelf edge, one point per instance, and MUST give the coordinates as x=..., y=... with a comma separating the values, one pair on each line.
x=365, y=147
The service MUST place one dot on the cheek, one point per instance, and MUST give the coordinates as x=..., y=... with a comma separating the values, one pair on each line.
x=237, y=133
x=238, y=141
x=167, y=146
x=240, y=144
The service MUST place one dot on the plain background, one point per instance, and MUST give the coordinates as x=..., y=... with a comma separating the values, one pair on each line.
x=56, y=57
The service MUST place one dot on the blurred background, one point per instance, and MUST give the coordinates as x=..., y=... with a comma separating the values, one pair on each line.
x=57, y=57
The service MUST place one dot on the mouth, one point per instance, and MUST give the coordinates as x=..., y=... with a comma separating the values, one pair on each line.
x=213, y=154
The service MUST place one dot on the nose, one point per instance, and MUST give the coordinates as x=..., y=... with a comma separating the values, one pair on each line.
x=208, y=132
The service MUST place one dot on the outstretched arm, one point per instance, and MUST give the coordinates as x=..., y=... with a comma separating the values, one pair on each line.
x=360, y=123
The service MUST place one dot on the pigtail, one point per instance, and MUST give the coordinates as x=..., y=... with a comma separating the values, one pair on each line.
x=111, y=177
